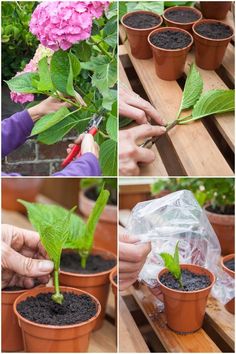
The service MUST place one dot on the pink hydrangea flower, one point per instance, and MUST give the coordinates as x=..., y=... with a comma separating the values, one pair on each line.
x=60, y=24
x=32, y=66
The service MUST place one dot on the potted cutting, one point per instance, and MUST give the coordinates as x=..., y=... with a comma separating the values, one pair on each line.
x=106, y=231
x=211, y=38
x=228, y=265
x=170, y=46
x=138, y=25
x=55, y=319
x=216, y=10
x=185, y=289
x=182, y=17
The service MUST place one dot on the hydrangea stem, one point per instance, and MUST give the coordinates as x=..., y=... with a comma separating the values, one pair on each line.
x=57, y=297
x=98, y=44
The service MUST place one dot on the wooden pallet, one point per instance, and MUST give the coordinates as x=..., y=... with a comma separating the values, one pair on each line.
x=101, y=341
x=200, y=148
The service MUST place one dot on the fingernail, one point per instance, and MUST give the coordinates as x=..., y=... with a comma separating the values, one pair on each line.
x=163, y=129
x=46, y=266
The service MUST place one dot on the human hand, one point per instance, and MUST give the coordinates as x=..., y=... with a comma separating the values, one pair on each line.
x=132, y=257
x=136, y=108
x=87, y=145
x=23, y=258
x=130, y=154
x=49, y=105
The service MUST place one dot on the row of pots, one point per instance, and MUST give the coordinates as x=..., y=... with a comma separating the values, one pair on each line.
x=169, y=63
x=18, y=333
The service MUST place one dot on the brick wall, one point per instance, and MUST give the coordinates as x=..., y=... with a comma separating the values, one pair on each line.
x=32, y=158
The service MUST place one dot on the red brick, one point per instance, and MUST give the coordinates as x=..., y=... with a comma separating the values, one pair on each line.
x=26, y=152
x=52, y=152
x=28, y=169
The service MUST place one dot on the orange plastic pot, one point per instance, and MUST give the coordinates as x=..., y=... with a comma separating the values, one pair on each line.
x=11, y=333
x=138, y=37
x=114, y=286
x=96, y=284
x=56, y=339
x=224, y=228
x=230, y=306
x=185, y=310
x=169, y=63
x=209, y=52
x=106, y=230
x=186, y=26
x=216, y=10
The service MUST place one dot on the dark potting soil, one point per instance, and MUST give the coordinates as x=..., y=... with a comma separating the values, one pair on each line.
x=191, y=281
x=182, y=16
x=13, y=288
x=42, y=309
x=223, y=210
x=214, y=30
x=170, y=39
x=230, y=264
x=142, y=21
x=70, y=262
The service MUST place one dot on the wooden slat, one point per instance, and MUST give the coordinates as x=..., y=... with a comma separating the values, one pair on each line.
x=130, y=338
x=220, y=319
x=198, y=342
x=228, y=62
x=104, y=340
x=197, y=151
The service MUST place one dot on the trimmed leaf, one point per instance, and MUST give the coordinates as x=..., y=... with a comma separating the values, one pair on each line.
x=24, y=83
x=172, y=263
x=61, y=72
x=108, y=158
x=192, y=89
x=45, y=82
x=49, y=120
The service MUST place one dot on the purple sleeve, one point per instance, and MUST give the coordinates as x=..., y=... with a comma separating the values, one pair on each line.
x=15, y=130
x=86, y=165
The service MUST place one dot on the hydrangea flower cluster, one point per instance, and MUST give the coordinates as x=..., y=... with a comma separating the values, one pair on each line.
x=60, y=24
x=32, y=66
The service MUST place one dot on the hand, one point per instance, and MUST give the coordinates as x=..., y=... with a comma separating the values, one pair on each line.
x=130, y=154
x=136, y=108
x=23, y=258
x=49, y=105
x=132, y=257
x=88, y=145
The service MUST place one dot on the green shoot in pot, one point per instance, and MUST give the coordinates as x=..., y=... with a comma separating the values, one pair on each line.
x=172, y=264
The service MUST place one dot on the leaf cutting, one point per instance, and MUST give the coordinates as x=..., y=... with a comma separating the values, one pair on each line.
x=172, y=264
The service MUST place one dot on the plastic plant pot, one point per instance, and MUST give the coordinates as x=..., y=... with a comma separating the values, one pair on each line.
x=216, y=10
x=209, y=52
x=169, y=63
x=96, y=284
x=185, y=310
x=230, y=306
x=138, y=37
x=56, y=339
x=183, y=25
x=114, y=287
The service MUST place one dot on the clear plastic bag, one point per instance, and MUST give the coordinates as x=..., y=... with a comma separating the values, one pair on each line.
x=179, y=217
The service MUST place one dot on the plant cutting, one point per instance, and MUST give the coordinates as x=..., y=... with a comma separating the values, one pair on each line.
x=216, y=10
x=211, y=38
x=138, y=25
x=105, y=235
x=170, y=46
x=185, y=289
x=77, y=67
x=181, y=17
x=228, y=265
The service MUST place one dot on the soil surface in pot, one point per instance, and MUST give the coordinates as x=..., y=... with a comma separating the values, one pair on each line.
x=13, y=288
x=170, y=39
x=230, y=264
x=70, y=262
x=215, y=30
x=142, y=21
x=42, y=309
x=92, y=194
x=182, y=16
x=224, y=210
x=191, y=281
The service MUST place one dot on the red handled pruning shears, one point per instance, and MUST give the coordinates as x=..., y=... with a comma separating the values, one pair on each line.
x=92, y=129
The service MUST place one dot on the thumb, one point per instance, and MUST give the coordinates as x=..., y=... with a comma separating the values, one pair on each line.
x=26, y=266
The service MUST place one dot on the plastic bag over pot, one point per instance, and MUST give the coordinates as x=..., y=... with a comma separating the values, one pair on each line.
x=179, y=217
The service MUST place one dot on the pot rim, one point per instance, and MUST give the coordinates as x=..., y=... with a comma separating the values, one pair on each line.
x=81, y=275
x=111, y=276
x=141, y=29
x=187, y=292
x=162, y=29
x=212, y=21
x=64, y=327
x=225, y=259
x=216, y=214
x=182, y=7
